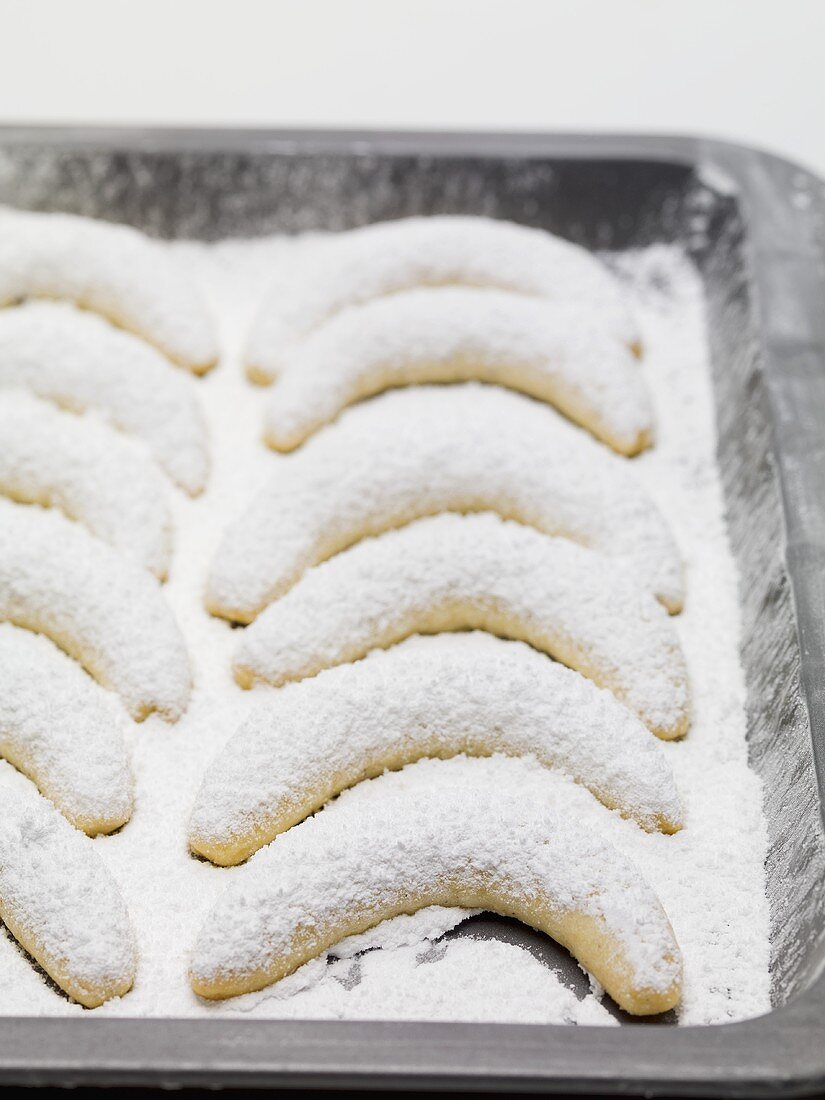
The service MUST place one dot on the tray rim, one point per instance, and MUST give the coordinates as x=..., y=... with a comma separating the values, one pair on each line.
x=775, y=1054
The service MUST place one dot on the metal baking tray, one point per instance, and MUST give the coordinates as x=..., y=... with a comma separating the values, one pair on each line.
x=755, y=225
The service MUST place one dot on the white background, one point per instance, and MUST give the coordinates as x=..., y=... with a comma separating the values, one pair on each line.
x=748, y=70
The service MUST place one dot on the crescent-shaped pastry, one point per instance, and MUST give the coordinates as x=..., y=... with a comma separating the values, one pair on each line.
x=383, y=259
x=337, y=875
x=417, y=452
x=110, y=269
x=91, y=472
x=438, y=697
x=63, y=731
x=79, y=361
x=556, y=352
x=60, y=902
x=101, y=608
x=451, y=573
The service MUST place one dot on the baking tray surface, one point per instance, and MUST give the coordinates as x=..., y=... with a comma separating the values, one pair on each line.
x=755, y=226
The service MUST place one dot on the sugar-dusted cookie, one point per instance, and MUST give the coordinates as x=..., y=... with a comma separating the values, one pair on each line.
x=79, y=361
x=471, y=845
x=113, y=270
x=100, y=607
x=431, y=449
x=477, y=572
x=390, y=257
x=558, y=352
x=59, y=901
x=90, y=471
x=438, y=696
x=63, y=731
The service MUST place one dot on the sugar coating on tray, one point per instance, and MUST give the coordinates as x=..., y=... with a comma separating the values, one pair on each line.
x=558, y=352
x=63, y=731
x=81, y=362
x=93, y=473
x=453, y=572
x=60, y=902
x=429, y=696
x=470, y=845
x=391, y=257
x=100, y=607
x=709, y=877
x=110, y=269
x=430, y=449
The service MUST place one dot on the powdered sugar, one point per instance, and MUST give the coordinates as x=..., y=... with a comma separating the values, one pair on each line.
x=410, y=981
x=79, y=361
x=61, y=729
x=477, y=572
x=428, y=449
x=390, y=257
x=111, y=269
x=554, y=351
x=709, y=876
x=437, y=696
x=421, y=927
x=101, y=608
x=91, y=472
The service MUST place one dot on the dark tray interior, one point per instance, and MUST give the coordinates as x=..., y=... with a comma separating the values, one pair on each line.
x=618, y=196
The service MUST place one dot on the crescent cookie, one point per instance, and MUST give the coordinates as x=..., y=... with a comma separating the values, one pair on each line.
x=417, y=452
x=60, y=902
x=439, y=697
x=64, y=732
x=91, y=472
x=339, y=874
x=390, y=257
x=554, y=351
x=110, y=269
x=101, y=608
x=79, y=361
x=479, y=573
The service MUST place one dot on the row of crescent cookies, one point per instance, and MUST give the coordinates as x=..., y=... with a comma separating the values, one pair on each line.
x=98, y=426
x=456, y=558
